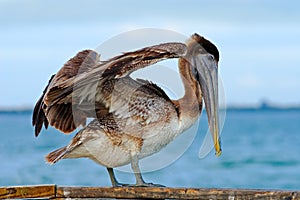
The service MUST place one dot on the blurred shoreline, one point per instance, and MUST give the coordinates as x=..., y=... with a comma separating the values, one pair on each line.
x=261, y=107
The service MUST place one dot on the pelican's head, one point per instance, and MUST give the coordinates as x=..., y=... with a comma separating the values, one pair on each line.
x=204, y=58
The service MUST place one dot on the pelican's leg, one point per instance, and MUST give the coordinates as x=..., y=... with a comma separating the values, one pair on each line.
x=113, y=179
x=138, y=175
x=137, y=172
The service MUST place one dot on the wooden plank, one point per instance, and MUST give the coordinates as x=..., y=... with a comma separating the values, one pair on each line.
x=28, y=192
x=173, y=193
x=56, y=192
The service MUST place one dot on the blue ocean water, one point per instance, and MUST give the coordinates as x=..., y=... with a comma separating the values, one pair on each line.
x=261, y=149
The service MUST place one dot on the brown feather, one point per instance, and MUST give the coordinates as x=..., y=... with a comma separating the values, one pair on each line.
x=71, y=87
x=39, y=118
x=60, y=115
x=56, y=155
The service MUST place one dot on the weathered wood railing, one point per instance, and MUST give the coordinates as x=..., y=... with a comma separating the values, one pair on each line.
x=60, y=192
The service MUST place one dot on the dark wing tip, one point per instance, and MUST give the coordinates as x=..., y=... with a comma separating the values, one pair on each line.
x=38, y=117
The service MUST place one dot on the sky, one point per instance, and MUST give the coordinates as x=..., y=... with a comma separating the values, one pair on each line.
x=258, y=41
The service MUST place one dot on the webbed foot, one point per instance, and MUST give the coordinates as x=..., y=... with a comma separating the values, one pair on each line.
x=143, y=185
x=137, y=185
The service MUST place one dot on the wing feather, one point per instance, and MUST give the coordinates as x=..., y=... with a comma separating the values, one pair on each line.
x=93, y=85
x=59, y=114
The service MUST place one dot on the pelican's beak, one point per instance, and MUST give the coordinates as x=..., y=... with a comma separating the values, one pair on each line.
x=207, y=69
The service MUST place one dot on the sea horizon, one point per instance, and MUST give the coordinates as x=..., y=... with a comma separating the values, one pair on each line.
x=230, y=107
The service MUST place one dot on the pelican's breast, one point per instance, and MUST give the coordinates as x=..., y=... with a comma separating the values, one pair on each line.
x=156, y=136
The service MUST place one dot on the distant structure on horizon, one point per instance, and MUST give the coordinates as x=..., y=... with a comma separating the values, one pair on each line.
x=264, y=105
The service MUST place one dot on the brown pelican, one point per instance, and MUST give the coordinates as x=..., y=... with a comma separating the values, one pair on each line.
x=133, y=118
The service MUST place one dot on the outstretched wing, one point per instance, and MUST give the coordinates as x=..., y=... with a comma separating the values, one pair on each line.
x=58, y=114
x=92, y=88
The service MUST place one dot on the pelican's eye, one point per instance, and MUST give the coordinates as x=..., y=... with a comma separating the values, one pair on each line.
x=211, y=57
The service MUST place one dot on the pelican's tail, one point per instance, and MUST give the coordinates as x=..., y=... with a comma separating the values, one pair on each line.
x=56, y=155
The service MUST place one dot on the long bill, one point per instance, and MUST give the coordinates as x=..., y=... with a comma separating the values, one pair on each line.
x=208, y=77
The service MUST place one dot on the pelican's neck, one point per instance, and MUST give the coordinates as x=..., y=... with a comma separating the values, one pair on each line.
x=190, y=105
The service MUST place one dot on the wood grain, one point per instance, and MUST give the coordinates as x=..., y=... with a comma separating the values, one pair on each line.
x=28, y=192
x=173, y=193
x=59, y=192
